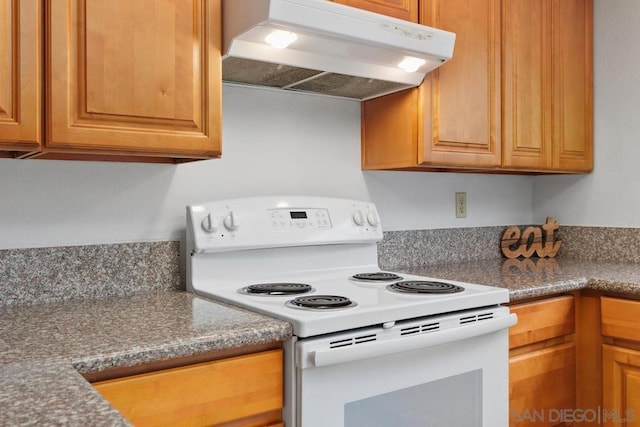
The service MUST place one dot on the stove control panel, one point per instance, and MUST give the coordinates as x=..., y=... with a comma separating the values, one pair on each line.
x=264, y=222
x=294, y=220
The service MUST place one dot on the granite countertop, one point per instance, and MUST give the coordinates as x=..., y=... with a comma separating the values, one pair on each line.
x=45, y=348
x=531, y=278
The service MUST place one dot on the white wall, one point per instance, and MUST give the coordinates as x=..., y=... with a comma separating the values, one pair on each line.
x=610, y=196
x=274, y=142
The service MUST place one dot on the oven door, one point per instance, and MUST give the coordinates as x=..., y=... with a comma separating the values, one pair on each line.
x=436, y=371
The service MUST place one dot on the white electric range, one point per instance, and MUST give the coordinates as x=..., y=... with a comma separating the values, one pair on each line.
x=312, y=261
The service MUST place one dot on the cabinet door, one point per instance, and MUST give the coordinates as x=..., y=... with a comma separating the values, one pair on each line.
x=240, y=391
x=527, y=84
x=572, y=80
x=621, y=385
x=453, y=119
x=542, y=383
x=20, y=74
x=134, y=77
x=402, y=9
x=547, y=85
x=459, y=122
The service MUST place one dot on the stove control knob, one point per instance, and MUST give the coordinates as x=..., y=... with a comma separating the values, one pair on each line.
x=209, y=224
x=372, y=219
x=231, y=221
x=358, y=217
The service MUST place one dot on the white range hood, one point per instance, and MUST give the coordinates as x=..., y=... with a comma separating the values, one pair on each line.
x=333, y=49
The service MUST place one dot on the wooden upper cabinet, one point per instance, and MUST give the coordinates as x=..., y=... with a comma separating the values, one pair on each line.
x=20, y=74
x=572, y=85
x=461, y=100
x=516, y=97
x=133, y=78
x=402, y=9
x=547, y=85
x=527, y=84
x=453, y=118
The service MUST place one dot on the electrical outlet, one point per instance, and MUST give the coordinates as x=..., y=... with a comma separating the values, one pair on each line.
x=461, y=205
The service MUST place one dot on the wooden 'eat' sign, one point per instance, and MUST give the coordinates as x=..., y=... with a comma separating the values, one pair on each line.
x=533, y=240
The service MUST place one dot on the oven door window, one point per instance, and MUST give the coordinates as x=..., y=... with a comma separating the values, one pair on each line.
x=451, y=401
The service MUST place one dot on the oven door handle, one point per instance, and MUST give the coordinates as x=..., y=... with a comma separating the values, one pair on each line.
x=406, y=343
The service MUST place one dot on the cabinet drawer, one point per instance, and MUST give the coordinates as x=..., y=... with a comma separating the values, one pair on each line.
x=246, y=389
x=542, y=320
x=620, y=318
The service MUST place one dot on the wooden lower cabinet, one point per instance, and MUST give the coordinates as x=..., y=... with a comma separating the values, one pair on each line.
x=621, y=382
x=239, y=391
x=542, y=384
x=542, y=362
x=620, y=362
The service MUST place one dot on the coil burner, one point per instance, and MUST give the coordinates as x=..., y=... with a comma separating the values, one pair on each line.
x=276, y=289
x=379, y=276
x=424, y=287
x=321, y=302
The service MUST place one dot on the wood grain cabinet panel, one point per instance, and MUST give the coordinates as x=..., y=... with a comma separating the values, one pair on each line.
x=516, y=97
x=110, y=80
x=20, y=74
x=620, y=318
x=461, y=99
x=138, y=77
x=547, y=80
x=527, y=84
x=240, y=391
x=572, y=81
x=620, y=361
x=453, y=117
x=402, y=9
x=542, y=362
x=542, y=320
x=541, y=382
x=621, y=382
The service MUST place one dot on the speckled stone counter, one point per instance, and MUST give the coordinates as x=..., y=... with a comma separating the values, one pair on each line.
x=51, y=394
x=44, y=347
x=45, y=275
x=530, y=278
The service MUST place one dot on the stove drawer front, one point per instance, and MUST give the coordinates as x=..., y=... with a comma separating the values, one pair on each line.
x=461, y=383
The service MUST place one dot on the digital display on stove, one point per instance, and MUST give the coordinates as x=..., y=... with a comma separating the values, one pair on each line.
x=298, y=215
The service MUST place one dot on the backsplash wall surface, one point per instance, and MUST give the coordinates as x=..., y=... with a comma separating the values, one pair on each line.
x=430, y=247
x=30, y=276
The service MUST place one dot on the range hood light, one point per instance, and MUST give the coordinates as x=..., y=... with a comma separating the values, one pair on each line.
x=411, y=64
x=281, y=39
